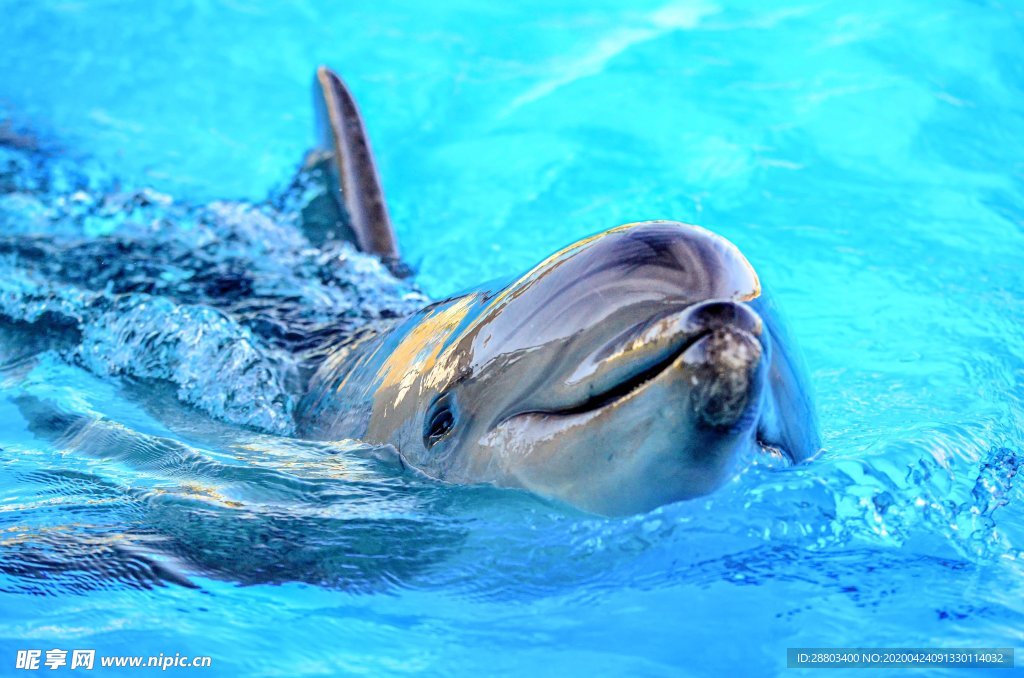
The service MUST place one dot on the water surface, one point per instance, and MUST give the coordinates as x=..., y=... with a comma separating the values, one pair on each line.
x=866, y=159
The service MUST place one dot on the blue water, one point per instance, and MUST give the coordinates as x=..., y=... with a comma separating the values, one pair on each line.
x=866, y=157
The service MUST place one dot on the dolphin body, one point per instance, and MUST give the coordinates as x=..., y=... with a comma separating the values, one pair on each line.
x=631, y=369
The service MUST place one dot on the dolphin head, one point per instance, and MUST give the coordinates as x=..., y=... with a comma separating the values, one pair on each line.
x=626, y=371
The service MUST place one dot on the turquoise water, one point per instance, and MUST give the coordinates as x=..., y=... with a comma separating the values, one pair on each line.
x=865, y=157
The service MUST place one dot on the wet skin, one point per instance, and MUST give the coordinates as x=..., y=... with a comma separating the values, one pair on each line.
x=629, y=370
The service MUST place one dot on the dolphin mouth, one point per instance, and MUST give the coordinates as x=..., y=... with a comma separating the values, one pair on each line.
x=690, y=339
x=719, y=350
x=630, y=385
x=745, y=418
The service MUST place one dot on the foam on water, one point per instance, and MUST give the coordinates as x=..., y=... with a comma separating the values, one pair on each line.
x=215, y=298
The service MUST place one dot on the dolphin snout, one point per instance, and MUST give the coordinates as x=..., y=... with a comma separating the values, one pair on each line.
x=724, y=363
x=726, y=374
x=653, y=345
x=711, y=315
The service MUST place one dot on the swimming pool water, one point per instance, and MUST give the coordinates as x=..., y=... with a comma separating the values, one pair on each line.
x=866, y=158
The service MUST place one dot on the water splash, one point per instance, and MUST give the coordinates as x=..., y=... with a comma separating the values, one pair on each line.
x=220, y=299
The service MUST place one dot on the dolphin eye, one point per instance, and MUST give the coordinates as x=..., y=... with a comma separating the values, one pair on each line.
x=438, y=423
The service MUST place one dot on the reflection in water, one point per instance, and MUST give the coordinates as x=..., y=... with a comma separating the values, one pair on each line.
x=247, y=507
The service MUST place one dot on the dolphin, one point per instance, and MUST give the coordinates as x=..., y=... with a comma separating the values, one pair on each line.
x=634, y=368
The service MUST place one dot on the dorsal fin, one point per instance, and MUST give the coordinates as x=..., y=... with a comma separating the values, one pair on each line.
x=355, y=182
